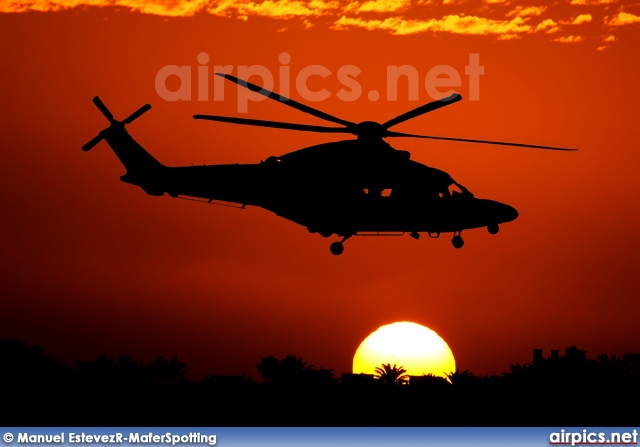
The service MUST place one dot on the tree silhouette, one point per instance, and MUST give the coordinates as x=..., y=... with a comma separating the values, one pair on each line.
x=319, y=376
x=609, y=362
x=22, y=363
x=595, y=391
x=293, y=370
x=168, y=371
x=391, y=375
x=290, y=370
x=131, y=371
x=460, y=378
x=268, y=368
x=613, y=370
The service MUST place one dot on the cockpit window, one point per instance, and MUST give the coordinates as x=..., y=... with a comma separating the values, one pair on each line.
x=453, y=189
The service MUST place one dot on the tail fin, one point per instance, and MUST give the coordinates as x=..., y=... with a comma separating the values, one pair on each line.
x=142, y=169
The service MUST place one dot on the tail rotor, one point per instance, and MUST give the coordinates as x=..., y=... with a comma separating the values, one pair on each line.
x=136, y=114
x=109, y=116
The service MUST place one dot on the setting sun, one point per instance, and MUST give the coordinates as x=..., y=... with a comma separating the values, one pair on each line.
x=416, y=348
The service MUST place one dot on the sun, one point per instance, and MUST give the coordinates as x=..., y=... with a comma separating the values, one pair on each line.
x=416, y=348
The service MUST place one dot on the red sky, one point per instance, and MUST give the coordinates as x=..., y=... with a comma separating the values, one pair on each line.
x=92, y=265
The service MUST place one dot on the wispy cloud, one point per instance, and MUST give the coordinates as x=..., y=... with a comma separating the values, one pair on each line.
x=623, y=18
x=185, y=8
x=378, y=6
x=284, y=8
x=582, y=18
x=510, y=36
x=450, y=24
x=569, y=39
x=548, y=26
x=16, y=6
x=592, y=2
x=501, y=19
x=521, y=11
x=174, y=8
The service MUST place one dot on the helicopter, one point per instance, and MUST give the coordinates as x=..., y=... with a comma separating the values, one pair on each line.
x=354, y=187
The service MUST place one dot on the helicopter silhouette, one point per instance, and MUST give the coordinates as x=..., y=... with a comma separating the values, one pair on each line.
x=355, y=187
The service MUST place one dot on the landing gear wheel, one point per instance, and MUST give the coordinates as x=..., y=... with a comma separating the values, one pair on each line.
x=336, y=248
x=457, y=241
x=493, y=228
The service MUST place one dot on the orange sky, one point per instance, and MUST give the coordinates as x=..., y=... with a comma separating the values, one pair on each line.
x=93, y=265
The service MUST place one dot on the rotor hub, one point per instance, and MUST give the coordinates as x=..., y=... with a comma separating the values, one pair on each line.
x=370, y=130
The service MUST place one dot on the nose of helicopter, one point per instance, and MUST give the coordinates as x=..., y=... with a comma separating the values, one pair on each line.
x=506, y=213
x=498, y=212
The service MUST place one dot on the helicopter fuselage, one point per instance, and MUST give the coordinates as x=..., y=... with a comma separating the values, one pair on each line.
x=343, y=188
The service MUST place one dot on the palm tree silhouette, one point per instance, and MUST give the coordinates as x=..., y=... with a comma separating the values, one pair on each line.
x=292, y=370
x=609, y=362
x=392, y=375
x=168, y=371
x=319, y=376
x=131, y=371
x=460, y=378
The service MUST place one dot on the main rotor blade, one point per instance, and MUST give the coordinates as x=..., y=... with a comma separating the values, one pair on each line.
x=426, y=108
x=136, y=114
x=286, y=101
x=100, y=105
x=92, y=143
x=501, y=143
x=273, y=124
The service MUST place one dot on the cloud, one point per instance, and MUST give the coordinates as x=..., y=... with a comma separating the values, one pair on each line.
x=157, y=7
x=378, y=6
x=509, y=36
x=623, y=18
x=522, y=11
x=186, y=8
x=548, y=26
x=582, y=18
x=450, y=24
x=592, y=2
x=503, y=19
x=12, y=6
x=284, y=8
x=174, y=8
x=569, y=39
